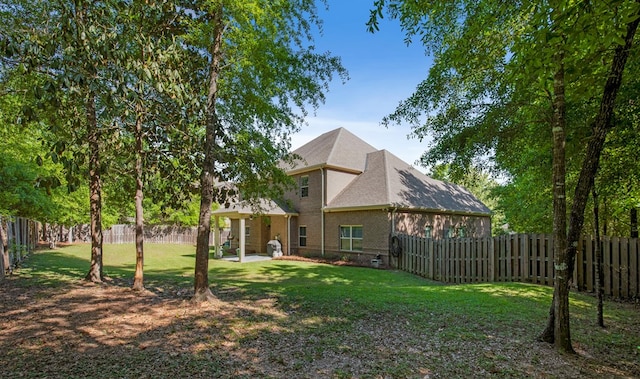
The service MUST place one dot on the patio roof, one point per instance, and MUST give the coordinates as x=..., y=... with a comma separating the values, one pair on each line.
x=263, y=207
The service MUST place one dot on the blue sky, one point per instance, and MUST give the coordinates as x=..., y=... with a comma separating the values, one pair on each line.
x=383, y=70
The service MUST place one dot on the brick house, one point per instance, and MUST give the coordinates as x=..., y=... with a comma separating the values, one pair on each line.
x=350, y=200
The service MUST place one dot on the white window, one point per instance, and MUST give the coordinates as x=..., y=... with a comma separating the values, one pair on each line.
x=247, y=231
x=302, y=236
x=351, y=237
x=462, y=232
x=428, y=232
x=304, y=186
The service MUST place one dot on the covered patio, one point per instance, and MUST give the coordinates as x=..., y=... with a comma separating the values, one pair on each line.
x=254, y=225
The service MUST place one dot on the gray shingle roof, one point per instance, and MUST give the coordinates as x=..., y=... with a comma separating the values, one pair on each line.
x=387, y=181
x=263, y=206
x=338, y=149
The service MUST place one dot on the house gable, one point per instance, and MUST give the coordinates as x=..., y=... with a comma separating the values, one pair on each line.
x=338, y=149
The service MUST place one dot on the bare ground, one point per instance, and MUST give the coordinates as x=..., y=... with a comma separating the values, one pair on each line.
x=92, y=330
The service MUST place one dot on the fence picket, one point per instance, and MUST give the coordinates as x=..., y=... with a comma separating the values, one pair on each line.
x=615, y=266
x=590, y=261
x=624, y=268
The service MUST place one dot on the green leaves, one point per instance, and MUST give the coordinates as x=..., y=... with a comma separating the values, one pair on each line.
x=489, y=91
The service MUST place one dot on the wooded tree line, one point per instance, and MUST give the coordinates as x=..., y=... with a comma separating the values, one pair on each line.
x=122, y=101
x=546, y=94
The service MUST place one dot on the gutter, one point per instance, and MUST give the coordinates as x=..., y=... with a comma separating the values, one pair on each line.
x=396, y=208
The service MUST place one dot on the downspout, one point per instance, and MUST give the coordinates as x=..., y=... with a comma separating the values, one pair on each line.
x=393, y=233
x=393, y=221
x=322, y=214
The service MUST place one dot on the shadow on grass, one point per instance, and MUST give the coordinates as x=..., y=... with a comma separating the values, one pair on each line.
x=274, y=319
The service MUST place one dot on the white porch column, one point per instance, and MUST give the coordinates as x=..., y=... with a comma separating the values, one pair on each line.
x=288, y=252
x=216, y=237
x=242, y=239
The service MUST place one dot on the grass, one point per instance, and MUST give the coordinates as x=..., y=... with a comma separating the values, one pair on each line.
x=301, y=319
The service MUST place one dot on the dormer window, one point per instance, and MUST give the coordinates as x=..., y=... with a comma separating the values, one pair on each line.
x=304, y=186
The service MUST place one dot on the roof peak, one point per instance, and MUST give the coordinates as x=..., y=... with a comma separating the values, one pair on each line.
x=338, y=148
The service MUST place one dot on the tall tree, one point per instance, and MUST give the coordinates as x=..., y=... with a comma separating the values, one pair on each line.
x=71, y=43
x=150, y=97
x=262, y=74
x=502, y=67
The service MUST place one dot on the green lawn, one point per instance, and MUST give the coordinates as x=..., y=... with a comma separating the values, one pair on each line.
x=337, y=321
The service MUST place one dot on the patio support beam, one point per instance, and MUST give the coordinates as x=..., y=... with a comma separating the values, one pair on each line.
x=216, y=237
x=242, y=239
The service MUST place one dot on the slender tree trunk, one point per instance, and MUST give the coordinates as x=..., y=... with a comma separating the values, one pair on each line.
x=601, y=126
x=4, y=261
x=95, y=273
x=598, y=252
x=138, y=278
x=11, y=243
x=634, y=222
x=202, y=292
x=562, y=330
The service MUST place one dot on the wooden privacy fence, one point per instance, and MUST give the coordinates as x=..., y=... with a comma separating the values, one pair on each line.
x=521, y=258
x=123, y=233
x=18, y=237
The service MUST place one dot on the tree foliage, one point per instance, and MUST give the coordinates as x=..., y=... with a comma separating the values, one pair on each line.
x=507, y=70
x=262, y=75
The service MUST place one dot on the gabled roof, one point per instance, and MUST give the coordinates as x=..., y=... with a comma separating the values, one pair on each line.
x=389, y=182
x=338, y=149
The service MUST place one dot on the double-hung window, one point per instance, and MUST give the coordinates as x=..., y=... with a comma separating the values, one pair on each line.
x=302, y=236
x=428, y=232
x=304, y=186
x=351, y=237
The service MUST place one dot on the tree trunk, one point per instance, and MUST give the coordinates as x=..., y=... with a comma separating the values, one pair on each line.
x=138, y=278
x=602, y=125
x=11, y=244
x=95, y=273
x=598, y=252
x=3, y=259
x=202, y=292
x=634, y=222
x=562, y=330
